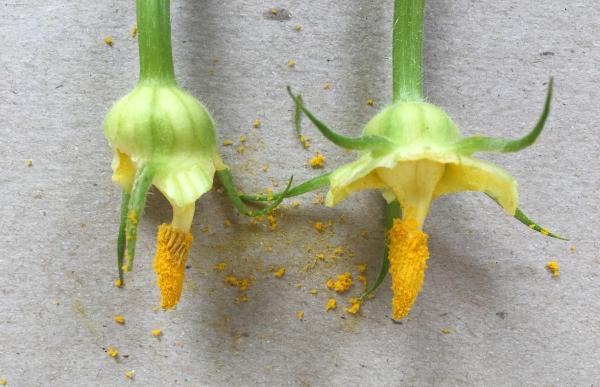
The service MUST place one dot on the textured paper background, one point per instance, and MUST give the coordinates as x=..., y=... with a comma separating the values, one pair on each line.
x=487, y=63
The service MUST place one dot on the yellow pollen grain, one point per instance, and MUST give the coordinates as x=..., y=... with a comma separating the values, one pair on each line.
x=227, y=142
x=242, y=139
x=573, y=248
x=172, y=250
x=318, y=161
x=112, y=351
x=274, y=11
x=298, y=27
x=446, y=330
x=326, y=86
x=118, y=283
x=108, y=41
x=272, y=221
x=343, y=282
x=300, y=314
x=119, y=320
x=238, y=282
x=291, y=63
x=370, y=102
x=156, y=332
x=220, y=266
x=240, y=149
x=362, y=279
x=314, y=291
x=132, y=217
x=130, y=374
x=295, y=203
x=133, y=32
x=331, y=304
x=29, y=162
x=242, y=298
x=362, y=268
x=280, y=272
x=264, y=168
x=408, y=254
x=354, y=306
x=554, y=268
x=319, y=226
x=330, y=284
x=256, y=124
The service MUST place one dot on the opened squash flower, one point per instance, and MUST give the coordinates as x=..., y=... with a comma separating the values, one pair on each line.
x=413, y=153
x=160, y=135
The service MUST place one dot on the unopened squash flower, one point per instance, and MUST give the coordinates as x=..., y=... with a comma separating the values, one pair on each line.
x=160, y=135
x=413, y=153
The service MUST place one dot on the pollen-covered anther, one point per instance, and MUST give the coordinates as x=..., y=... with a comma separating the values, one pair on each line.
x=408, y=254
x=172, y=250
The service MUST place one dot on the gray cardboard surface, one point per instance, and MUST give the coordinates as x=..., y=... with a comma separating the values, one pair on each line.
x=486, y=64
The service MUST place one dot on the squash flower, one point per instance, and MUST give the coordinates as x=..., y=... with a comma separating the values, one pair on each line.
x=161, y=135
x=413, y=153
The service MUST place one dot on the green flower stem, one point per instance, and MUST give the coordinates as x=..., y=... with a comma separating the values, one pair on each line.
x=308, y=186
x=154, y=40
x=406, y=50
x=392, y=211
x=121, y=237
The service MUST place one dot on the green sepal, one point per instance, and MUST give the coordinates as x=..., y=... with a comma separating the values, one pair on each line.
x=393, y=211
x=352, y=143
x=475, y=144
x=141, y=185
x=521, y=217
x=308, y=186
x=226, y=179
x=121, y=243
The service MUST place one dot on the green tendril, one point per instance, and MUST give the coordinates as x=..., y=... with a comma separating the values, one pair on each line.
x=121, y=243
x=141, y=185
x=308, y=186
x=227, y=180
x=489, y=144
x=352, y=143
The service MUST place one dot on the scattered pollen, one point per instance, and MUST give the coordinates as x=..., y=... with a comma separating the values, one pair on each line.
x=554, y=268
x=291, y=63
x=370, y=102
x=362, y=279
x=118, y=283
x=300, y=314
x=240, y=283
x=130, y=374
x=242, y=298
x=274, y=11
x=108, y=41
x=326, y=86
x=343, y=283
x=264, y=168
x=242, y=139
x=29, y=162
x=318, y=161
x=280, y=272
x=330, y=284
x=362, y=267
x=272, y=221
x=573, y=249
x=331, y=304
x=112, y=351
x=133, y=32
x=240, y=149
x=354, y=306
x=120, y=320
x=314, y=291
x=156, y=332
x=319, y=226
x=446, y=330
x=256, y=123
x=296, y=203
x=3, y=381
x=298, y=27
x=227, y=142
x=220, y=266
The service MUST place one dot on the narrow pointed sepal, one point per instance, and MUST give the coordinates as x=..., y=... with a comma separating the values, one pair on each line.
x=476, y=144
x=353, y=143
x=521, y=217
